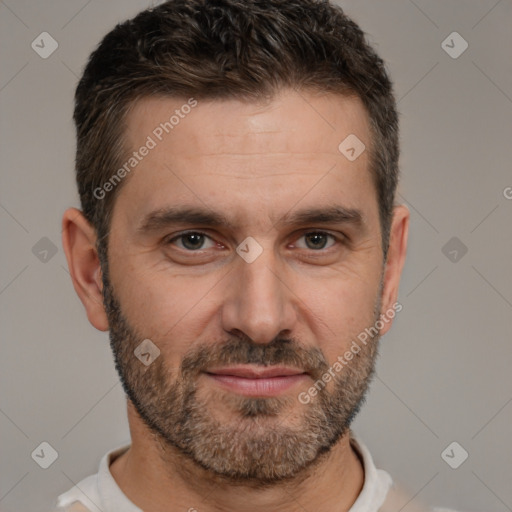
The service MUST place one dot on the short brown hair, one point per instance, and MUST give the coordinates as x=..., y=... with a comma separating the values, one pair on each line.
x=243, y=49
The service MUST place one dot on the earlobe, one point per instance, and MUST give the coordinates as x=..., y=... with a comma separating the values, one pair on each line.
x=79, y=242
x=395, y=261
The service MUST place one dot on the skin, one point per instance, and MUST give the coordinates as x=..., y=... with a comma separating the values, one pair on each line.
x=254, y=163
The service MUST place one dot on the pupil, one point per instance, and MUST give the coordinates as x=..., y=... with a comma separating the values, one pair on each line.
x=316, y=237
x=193, y=241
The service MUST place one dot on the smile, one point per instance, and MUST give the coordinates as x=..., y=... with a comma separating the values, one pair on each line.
x=257, y=381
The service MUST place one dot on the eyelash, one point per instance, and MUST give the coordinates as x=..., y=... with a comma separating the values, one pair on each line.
x=337, y=240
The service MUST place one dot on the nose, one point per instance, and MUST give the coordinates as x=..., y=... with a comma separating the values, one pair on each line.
x=260, y=302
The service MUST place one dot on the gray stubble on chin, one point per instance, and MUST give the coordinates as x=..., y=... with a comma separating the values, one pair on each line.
x=260, y=445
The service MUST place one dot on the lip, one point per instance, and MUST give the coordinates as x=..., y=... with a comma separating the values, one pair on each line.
x=256, y=372
x=256, y=381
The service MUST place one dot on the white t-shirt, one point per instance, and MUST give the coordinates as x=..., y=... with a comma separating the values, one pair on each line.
x=100, y=492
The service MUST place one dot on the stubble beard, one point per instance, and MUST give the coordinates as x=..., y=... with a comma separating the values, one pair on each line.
x=268, y=440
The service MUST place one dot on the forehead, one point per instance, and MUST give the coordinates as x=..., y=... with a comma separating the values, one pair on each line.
x=248, y=156
x=293, y=120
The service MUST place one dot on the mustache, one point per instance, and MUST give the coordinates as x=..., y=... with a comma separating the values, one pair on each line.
x=243, y=350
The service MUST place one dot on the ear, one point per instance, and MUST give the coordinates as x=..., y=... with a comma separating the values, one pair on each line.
x=79, y=242
x=395, y=261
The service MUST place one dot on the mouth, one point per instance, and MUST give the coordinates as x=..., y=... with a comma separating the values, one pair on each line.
x=257, y=381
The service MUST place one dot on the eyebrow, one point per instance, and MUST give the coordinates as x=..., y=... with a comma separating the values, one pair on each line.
x=328, y=215
x=163, y=218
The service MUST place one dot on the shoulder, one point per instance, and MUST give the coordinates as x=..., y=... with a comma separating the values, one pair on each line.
x=98, y=492
x=74, y=507
x=87, y=495
x=83, y=497
x=380, y=492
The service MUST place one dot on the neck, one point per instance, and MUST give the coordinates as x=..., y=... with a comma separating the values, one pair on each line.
x=159, y=478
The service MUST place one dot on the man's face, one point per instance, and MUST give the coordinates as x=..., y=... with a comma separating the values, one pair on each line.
x=290, y=301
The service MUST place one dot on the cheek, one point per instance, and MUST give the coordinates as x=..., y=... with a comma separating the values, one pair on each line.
x=169, y=310
x=340, y=312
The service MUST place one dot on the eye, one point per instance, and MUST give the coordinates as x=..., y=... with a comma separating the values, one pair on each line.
x=192, y=241
x=316, y=240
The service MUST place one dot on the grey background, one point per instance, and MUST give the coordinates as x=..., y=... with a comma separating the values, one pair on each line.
x=444, y=372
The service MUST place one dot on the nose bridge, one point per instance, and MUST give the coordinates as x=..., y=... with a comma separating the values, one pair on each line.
x=259, y=303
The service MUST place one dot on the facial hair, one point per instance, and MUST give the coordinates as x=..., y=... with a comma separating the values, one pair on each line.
x=271, y=439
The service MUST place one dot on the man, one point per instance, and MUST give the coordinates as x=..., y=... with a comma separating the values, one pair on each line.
x=237, y=164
